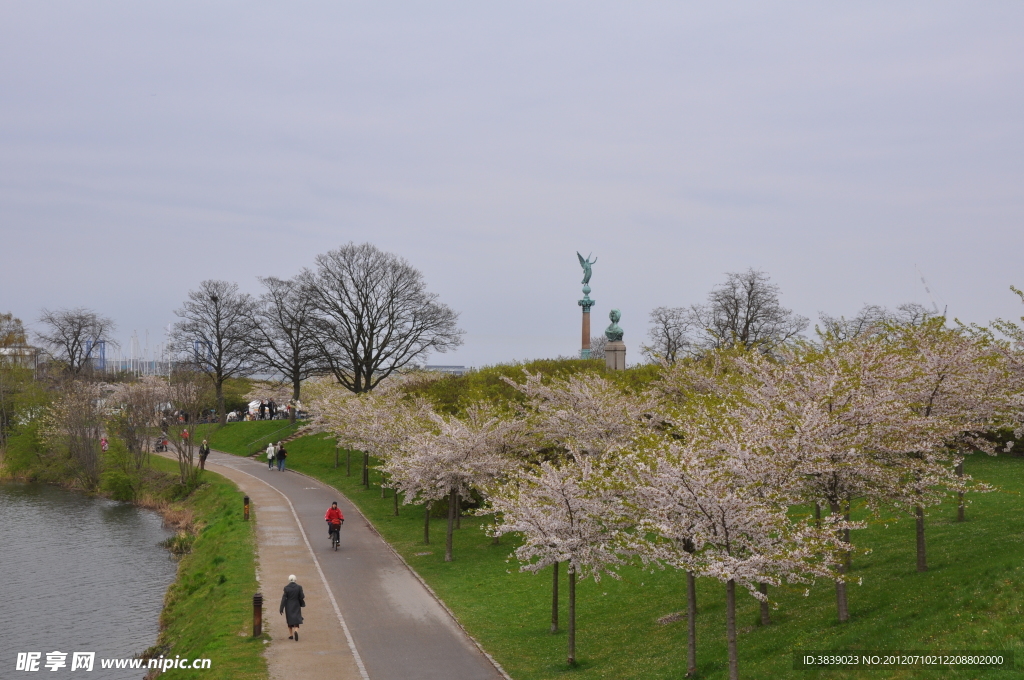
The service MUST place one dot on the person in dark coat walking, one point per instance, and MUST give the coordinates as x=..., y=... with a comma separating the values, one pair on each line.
x=204, y=451
x=292, y=603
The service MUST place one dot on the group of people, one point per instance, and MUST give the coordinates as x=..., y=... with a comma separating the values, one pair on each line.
x=276, y=454
x=267, y=409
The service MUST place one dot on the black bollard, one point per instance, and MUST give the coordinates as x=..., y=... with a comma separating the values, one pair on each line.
x=257, y=614
x=245, y=508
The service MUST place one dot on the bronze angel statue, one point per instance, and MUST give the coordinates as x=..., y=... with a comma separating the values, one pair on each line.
x=586, y=264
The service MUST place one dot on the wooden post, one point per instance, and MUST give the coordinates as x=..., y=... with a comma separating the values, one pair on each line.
x=245, y=508
x=257, y=615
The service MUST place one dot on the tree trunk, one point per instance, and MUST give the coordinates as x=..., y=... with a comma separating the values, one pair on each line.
x=691, y=632
x=572, y=616
x=458, y=511
x=366, y=470
x=960, y=495
x=222, y=415
x=848, y=557
x=730, y=629
x=426, y=525
x=336, y=454
x=554, y=598
x=922, y=558
x=396, y=502
x=348, y=457
x=296, y=385
x=766, y=612
x=383, y=490
x=451, y=526
x=842, y=606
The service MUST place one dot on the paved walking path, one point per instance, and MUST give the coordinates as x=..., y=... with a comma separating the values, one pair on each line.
x=366, y=615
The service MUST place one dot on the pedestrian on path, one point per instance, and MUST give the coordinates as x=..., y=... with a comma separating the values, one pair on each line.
x=271, y=455
x=292, y=602
x=204, y=451
x=281, y=455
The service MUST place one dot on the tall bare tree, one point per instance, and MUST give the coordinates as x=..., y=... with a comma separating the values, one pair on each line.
x=669, y=334
x=283, y=340
x=375, y=315
x=72, y=336
x=215, y=332
x=745, y=310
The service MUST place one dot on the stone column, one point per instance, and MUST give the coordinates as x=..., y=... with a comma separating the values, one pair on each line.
x=615, y=350
x=615, y=355
x=586, y=303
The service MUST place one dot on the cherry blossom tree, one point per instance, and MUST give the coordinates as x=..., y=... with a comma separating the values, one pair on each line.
x=958, y=392
x=568, y=512
x=711, y=506
x=584, y=414
x=581, y=416
x=455, y=456
x=832, y=419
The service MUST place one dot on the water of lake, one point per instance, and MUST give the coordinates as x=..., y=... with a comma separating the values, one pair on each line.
x=78, y=574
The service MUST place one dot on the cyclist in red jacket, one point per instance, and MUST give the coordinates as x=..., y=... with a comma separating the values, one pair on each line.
x=334, y=518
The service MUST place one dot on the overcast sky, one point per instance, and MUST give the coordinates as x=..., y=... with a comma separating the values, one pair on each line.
x=147, y=146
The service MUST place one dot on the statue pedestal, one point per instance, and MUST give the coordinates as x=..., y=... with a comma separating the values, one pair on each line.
x=615, y=355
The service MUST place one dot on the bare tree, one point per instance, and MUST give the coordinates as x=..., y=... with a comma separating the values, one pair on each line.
x=374, y=315
x=669, y=333
x=597, y=345
x=745, y=310
x=215, y=332
x=872, y=319
x=188, y=393
x=72, y=336
x=282, y=337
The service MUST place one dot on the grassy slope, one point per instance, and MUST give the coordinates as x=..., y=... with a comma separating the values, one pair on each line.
x=970, y=600
x=208, y=609
x=237, y=437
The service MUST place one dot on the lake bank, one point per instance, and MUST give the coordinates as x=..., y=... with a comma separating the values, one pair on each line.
x=206, y=611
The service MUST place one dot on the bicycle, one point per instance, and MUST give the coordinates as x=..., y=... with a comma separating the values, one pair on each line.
x=335, y=535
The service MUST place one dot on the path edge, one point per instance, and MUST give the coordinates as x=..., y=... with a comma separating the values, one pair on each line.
x=419, y=578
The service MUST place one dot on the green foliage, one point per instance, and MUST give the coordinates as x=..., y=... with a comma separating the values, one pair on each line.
x=235, y=390
x=208, y=609
x=23, y=455
x=243, y=438
x=453, y=394
x=121, y=479
x=971, y=598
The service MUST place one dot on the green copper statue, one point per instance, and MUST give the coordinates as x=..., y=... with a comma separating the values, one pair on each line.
x=586, y=264
x=614, y=331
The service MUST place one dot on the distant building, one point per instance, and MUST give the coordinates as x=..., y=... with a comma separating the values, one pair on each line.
x=25, y=356
x=451, y=370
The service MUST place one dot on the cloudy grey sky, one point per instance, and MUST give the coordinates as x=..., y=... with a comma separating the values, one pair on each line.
x=145, y=147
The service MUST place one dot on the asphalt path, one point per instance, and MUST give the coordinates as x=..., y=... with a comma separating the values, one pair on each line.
x=398, y=627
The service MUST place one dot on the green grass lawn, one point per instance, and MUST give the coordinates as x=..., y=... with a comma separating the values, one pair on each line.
x=208, y=609
x=240, y=438
x=970, y=600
